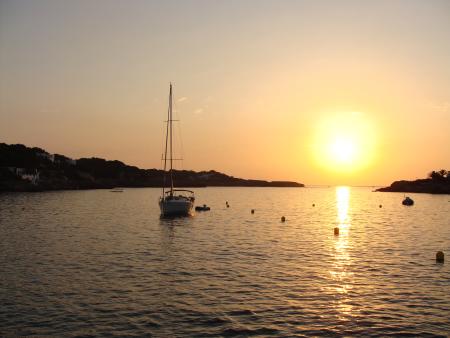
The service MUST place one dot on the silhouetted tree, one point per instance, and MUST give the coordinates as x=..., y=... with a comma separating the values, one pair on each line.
x=440, y=175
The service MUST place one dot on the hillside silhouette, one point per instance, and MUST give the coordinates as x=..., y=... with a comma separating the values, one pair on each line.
x=34, y=169
x=438, y=182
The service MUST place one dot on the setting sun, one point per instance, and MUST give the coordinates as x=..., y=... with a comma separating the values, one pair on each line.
x=344, y=142
x=342, y=150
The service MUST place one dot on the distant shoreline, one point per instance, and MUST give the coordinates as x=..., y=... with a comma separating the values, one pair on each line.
x=438, y=184
x=36, y=190
x=24, y=169
x=11, y=188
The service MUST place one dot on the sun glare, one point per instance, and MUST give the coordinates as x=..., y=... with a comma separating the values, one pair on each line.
x=342, y=150
x=344, y=142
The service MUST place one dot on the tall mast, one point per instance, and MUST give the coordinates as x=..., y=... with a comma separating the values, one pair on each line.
x=171, y=153
x=165, y=150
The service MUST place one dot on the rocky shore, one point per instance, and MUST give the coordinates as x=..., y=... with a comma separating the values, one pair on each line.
x=437, y=183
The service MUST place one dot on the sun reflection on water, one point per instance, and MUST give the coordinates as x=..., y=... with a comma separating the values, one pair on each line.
x=342, y=202
x=342, y=259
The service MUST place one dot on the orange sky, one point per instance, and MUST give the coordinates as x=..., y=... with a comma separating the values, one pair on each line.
x=320, y=92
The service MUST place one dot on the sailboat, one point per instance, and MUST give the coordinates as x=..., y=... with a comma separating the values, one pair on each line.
x=173, y=202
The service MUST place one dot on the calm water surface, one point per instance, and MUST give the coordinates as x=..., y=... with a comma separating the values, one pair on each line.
x=96, y=263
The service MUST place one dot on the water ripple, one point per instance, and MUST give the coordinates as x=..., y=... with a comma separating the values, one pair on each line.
x=92, y=263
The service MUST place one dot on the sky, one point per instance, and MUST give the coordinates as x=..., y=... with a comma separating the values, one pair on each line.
x=319, y=92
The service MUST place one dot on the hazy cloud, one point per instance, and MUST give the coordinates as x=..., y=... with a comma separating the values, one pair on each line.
x=442, y=107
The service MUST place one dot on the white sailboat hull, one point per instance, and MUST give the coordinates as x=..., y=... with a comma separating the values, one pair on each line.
x=176, y=206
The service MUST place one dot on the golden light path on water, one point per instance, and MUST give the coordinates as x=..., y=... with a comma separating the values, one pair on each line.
x=342, y=260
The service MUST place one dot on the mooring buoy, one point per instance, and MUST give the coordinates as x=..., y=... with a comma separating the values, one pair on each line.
x=380, y=206
x=314, y=205
x=283, y=219
x=336, y=231
x=440, y=257
x=253, y=211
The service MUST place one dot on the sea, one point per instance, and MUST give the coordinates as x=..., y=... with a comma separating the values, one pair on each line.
x=97, y=263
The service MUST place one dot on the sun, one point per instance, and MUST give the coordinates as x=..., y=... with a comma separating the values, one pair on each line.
x=344, y=142
x=342, y=150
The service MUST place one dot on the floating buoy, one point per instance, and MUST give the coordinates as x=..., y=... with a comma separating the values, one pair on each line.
x=314, y=205
x=380, y=206
x=253, y=211
x=440, y=257
x=227, y=204
x=283, y=219
x=336, y=231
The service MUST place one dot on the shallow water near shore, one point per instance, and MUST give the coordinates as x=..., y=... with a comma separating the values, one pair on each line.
x=94, y=263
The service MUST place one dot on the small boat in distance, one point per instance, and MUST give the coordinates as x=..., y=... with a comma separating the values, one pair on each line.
x=173, y=202
x=202, y=208
x=407, y=201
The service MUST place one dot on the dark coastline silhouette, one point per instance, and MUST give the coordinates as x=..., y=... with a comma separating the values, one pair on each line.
x=438, y=182
x=33, y=169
